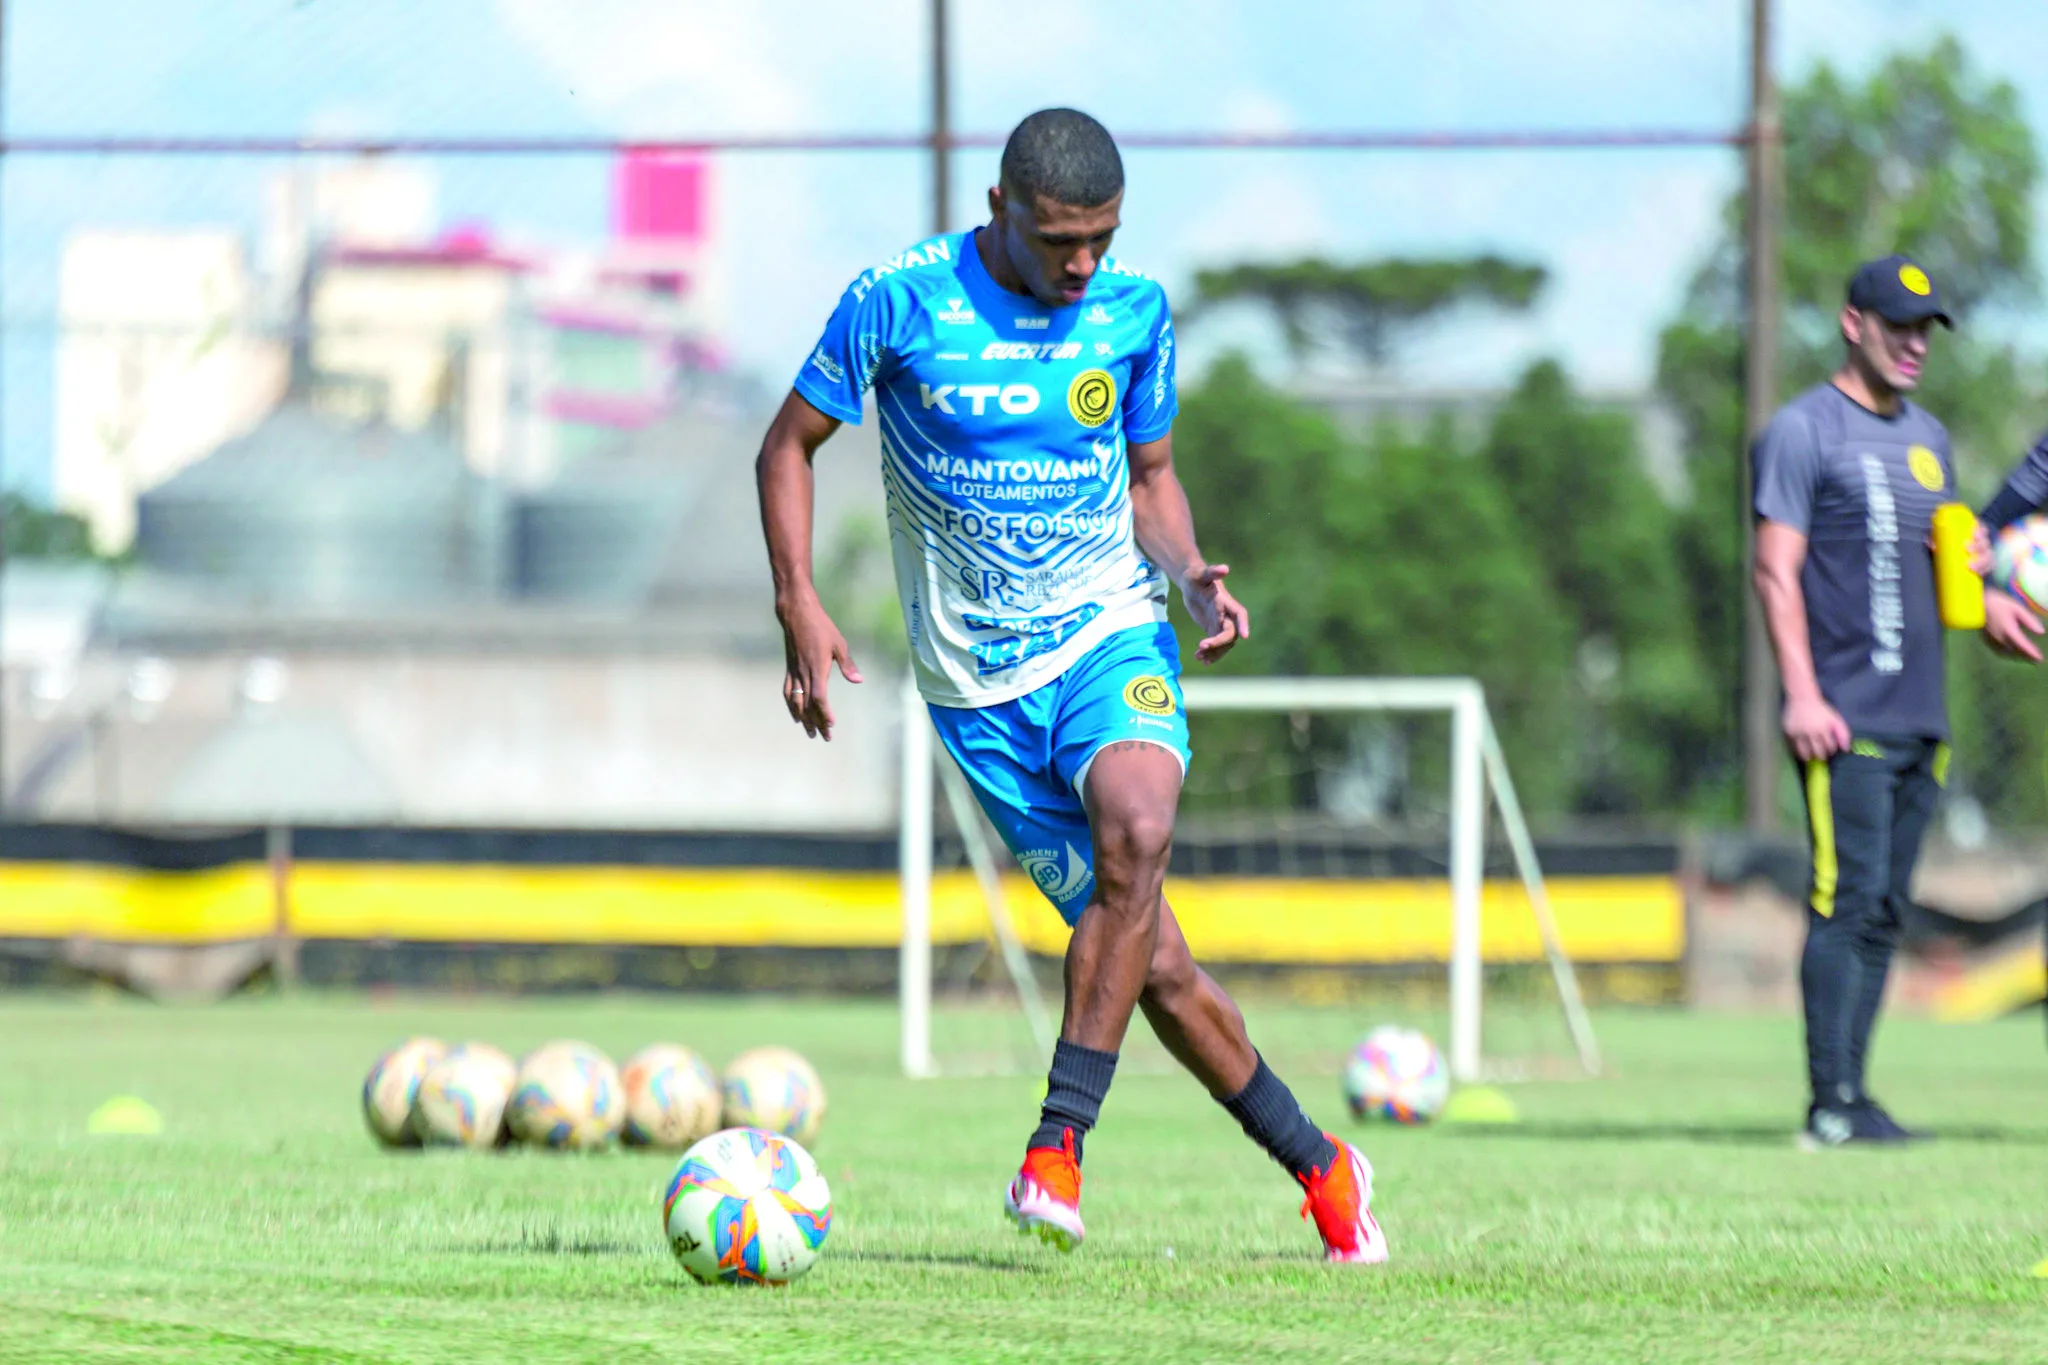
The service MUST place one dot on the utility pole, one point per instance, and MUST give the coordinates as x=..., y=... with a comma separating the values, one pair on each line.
x=1761, y=747
x=942, y=123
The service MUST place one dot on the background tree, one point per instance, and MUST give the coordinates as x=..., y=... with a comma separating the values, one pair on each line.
x=1361, y=309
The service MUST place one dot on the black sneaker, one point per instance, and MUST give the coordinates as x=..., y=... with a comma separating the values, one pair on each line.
x=1829, y=1127
x=1891, y=1127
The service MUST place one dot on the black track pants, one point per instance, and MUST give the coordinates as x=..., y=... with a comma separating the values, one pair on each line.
x=1866, y=811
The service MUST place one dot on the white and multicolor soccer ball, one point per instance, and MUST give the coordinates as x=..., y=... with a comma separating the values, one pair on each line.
x=1396, y=1073
x=746, y=1207
x=2019, y=560
x=567, y=1095
x=672, y=1097
x=776, y=1090
x=389, y=1089
x=461, y=1100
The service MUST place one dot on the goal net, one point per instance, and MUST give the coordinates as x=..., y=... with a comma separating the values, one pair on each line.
x=1350, y=849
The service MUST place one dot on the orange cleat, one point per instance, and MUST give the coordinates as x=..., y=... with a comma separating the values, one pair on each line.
x=1045, y=1198
x=1340, y=1200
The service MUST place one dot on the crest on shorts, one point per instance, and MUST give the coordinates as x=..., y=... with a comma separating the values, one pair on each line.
x=1149, y=695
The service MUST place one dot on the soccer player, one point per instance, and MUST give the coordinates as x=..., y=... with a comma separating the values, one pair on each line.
x=1025, y=386
x=1847, y=477
x=2008, y=624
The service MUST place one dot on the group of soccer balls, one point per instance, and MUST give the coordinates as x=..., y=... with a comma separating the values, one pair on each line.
x=746, y=1202
x=568, y=1096
x=1396, y=1073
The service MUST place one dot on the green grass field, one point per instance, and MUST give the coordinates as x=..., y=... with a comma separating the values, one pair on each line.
x=1661, y=1214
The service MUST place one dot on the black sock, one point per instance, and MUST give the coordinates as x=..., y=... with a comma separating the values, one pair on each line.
x=1074, y=1091
x=1272, y=1118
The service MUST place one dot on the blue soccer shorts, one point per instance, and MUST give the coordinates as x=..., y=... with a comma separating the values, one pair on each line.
x=1027, y=759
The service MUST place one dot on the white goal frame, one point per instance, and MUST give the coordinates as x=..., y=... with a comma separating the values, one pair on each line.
x=1478, y=769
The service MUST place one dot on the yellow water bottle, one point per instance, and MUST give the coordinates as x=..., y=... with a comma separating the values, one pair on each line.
x=1958, y=591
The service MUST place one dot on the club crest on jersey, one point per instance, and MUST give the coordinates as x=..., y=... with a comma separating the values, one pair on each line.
x=1097, y=316
x=957, y=313
x=1926, y=467
x=1149, y=695
x=1092, y=397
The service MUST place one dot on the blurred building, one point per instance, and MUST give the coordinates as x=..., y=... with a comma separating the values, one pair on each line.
x=157, y=365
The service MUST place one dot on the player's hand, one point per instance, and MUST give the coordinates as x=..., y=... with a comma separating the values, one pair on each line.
x=1221, y=618
x=2009, y=627
x=1814, y=729
x=1980, y=551
x=811, y=644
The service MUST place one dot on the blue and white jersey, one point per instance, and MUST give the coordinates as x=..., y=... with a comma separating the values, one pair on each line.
x=1004, y=426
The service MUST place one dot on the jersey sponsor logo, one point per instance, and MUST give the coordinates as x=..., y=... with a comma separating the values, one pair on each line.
x=827, y=366
x=924, y=254
x=1015, y=399
x=1031, y=350
x=951, y=355
x=1060, y=882
x=1046, y=469
x=868, y=349
x=1887, y=603
x=1104, y=348
x=1092, y=397
x=1926, y=467
x=1024, y=589
x=1034, y=635
x=1165, y=359
x=1915, y=279
x=1149, y=695
x=956, y=313
x=1032, y=324
x=1097, y=316
x=929, y=253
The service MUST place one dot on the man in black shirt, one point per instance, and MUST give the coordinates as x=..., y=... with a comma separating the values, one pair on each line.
x=1847, y=477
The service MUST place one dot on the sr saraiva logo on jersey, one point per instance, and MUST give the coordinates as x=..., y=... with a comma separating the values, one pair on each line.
x=1092, y=397
x=1149, y=695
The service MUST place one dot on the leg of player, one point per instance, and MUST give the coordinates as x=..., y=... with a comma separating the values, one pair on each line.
x=1921, y=767
x=1849, y=806
x=1132, y=790
x=1202, y=1027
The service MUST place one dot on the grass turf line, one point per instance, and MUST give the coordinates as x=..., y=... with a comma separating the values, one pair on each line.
x=1661, y=1214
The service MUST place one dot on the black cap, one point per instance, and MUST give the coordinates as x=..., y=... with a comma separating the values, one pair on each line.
x=1896, y=290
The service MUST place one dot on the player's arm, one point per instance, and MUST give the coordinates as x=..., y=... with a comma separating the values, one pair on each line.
x=2009, y=627
x=1785, y=467
x=1813, y=728
x=810, y=642
x=1165, y=528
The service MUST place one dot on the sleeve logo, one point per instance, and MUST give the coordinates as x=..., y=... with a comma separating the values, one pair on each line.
x=1149, y=695
x=1091, y=397
x=1926, y=467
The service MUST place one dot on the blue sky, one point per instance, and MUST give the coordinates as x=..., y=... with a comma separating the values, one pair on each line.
x=1620, y=230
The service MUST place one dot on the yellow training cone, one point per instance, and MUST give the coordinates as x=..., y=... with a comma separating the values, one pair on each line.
x=1480, y=1104
x=127, y=1115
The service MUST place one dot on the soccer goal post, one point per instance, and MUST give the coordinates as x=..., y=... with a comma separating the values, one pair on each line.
x=1478, y=778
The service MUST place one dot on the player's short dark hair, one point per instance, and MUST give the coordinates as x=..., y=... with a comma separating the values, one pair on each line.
x=1065, y=156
